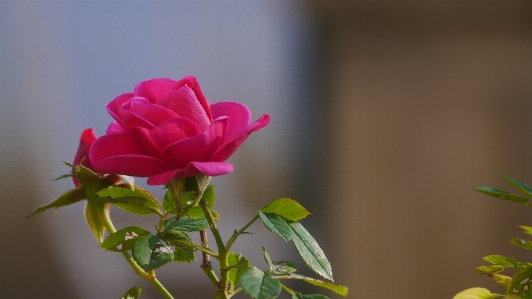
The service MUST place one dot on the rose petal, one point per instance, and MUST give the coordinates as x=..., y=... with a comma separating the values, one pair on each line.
x=197, y=148
x=155, y=114
x=153, y=89
x=115, y=127
x=238, y=113
x=234, y=141
x=185, y=103
x=82, y=155
x=143, y=138
x=115, y=104
x=174, y=130
x=113, y=145
x=192, y=82
x=134, y=165
x=192, y=169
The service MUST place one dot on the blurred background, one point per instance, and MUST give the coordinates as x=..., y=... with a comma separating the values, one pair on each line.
x=385, y=116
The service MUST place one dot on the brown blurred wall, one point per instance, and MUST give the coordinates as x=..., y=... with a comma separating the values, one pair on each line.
x=424, y=100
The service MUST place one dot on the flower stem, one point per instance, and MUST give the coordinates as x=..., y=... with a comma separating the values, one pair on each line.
x=222, y=251
x=239, y=232
x=108, y=224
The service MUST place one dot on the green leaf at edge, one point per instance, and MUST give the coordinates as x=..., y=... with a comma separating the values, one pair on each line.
x=151, y=252
x=310, y=251
x=476, y=293
x=259, y=285
x=338, y=289
x=70, y=197
x=187, y=224
x=502, y=194
x=235, y=272
x=277, y=225
x=286, y=208
x=314, y=296
x=518, y=185
x=124, y=238
x=133, y=293
x=521, y=284
x=129, y=200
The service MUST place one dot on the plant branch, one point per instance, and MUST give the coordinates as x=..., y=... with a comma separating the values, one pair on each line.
x=239, y=232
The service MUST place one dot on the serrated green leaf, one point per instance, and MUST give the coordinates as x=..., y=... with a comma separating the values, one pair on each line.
x=476, y=293
x=276, y=225
x=501, y=194
x=526, y=244
x=268, y=259
x=70, y=197
x=93, y=214
x=490, y=269
x=184, y=246
x=124, y=238
x=151, y=252
x=169, y=203
x=507, y=262
x=310, y=251
x=286, y=208
x=130, y=201
x=187, y=224
x=242, y=264
x=501, y=279
x=338, y=289
x=315, y=296
x=133, y=293
x=521, y=284
x=518, y=185
x=259, y=285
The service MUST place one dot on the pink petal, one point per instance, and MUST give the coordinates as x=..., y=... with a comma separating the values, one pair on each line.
x=115, y=104
x=185, y=103
x=133, y=165
x=197, y=148
x=143, y=138
x=236, y=139
x=115, y=127
x=155, y=114
x=112, y=145
x=153, y=89
x=238, y=113
x=82, y=155
x=131, y=119
x=194, y=85
x=174, y=130
x=192, y=169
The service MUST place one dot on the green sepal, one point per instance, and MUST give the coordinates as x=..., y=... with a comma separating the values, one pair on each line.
x=189, y=197
x=63, y=176
x=239, y=264
x=94, y=212
x=70, y=197
x=476, y=293
x=151, y=252
x=277, y=225
x=502, y=194
x=314, y=296
x=287, y=208
x=338, y=289
x=133, y=293
x=521, y=284
x=184, y=246
x=130, y=201
x=526, y=244
x=518, y=185
x=123, y=239
x=187, y=224
x=259, y=285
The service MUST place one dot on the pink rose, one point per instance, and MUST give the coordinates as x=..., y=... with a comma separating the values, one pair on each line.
x=167, y=128
x=82, y=155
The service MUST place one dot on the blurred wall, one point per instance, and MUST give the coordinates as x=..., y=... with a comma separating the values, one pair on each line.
x=424, y=101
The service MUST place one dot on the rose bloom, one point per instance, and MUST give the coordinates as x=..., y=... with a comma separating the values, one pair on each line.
x=167, y=129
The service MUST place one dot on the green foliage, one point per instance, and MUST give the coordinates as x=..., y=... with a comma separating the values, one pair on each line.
x=239, y=264
x=501, y=194
x=184, y=246
x=151, y=252
x=133, y=293
x=130, y=201
x=521, y=284
x=70, y=197
x=195, y=211
x=525, y=244
x=476, y=293
x=338, y=289
x=277, y=225
x=94, y=213
x=287, y=208
x=258, y=284
x=187, y=224
x=301, y=296
x=124, y=238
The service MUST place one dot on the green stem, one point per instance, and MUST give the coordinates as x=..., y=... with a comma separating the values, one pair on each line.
x=238, y=233
x=106, y=219
x=222, y=251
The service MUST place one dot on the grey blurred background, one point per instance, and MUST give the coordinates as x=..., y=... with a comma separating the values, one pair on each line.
x=385, y=115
